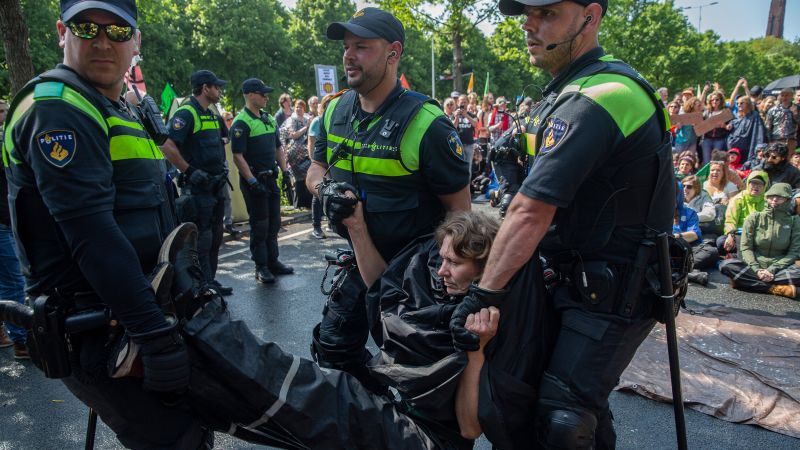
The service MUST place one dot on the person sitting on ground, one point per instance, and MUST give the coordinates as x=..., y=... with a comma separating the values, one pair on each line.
x=770, y=245
x=736, y=163
x=795, y=159
x=699, y=200
x=686, y=163
x=776, y=164
x=730, y=174
x=717, y=185
x=686, y=226
x=747, y=202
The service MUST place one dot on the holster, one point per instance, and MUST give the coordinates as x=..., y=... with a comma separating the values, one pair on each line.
x=186, y=207
x=55, y=320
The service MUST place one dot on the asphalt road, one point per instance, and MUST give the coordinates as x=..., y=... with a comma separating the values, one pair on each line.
x=37, y=413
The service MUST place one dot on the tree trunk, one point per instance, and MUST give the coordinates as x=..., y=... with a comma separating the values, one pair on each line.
x=14, y=33
x=458, y=61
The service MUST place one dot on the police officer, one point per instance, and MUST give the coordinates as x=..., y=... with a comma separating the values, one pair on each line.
x=256, y=146
x=198, y=132
x=602, y=177
x=392, y=148
x=89, y=212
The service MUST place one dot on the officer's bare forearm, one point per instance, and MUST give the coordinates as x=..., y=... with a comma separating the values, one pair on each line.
x=467, y=396
x=524, y=227
x=315, y=175
x=241, y=164
x=457, y=201
x=173, y=155
x=370, y=263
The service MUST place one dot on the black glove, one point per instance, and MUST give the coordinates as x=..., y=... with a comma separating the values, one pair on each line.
x=335, y=204
x=198, y=177
x=257, y=188
x=477, y=299
x=165, y=360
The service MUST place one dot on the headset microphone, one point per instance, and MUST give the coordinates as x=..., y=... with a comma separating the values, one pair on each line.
x=580, y=30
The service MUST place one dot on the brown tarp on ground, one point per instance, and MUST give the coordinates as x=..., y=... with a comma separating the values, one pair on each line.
x=739, y=367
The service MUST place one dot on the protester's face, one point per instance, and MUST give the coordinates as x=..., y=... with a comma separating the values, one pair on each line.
x=797, y=97
x=716, y=102
x=684, y=167
x=457, y=273
x=785, y=98
x=551, y=24
x=313, y=104
x=3, y=112
x=795, y=161
x=365, y=61
x=100, y=60
x=732, y=157
x=490, y=98
x=715, y=173
x=755, y=186
x=768, y=103
x=299, y=109
x=745, y=107
x=776, y=200
x=774, y=158
x=689, y=191
x=674, y=108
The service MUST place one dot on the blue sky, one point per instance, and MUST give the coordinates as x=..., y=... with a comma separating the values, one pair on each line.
x=730, y=19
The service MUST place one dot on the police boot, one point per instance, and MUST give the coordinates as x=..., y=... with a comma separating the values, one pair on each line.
x=279, y=268
x=188, y=289
x=504, y=204
x=275, y=266
x=263, y=275
x=699, y=277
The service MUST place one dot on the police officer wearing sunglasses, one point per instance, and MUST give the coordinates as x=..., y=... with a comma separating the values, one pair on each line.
x=89, y=211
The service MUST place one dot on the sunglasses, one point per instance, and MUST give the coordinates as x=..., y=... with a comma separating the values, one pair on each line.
x=90, y=30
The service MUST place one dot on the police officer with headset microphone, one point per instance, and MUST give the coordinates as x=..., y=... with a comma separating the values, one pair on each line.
x=600, y=186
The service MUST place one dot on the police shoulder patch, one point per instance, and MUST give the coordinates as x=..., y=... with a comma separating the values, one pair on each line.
x=454, y=142
x=553, y=134
x=57, y=146
x=178, y=123
x=237, y=132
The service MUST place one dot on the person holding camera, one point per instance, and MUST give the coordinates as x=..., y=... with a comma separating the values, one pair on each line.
x=600, y=189
x=256, y=147
x=465, y=123
x=397, y=152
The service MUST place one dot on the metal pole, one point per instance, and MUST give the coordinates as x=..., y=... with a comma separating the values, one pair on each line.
x=91, y=428
x=665, y=279
x=433, y=71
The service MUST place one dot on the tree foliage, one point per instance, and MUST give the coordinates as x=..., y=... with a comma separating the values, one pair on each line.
x=238, y=39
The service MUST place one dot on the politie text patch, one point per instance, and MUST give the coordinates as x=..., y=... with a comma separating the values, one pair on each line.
x=57, y=146
x=553, y=134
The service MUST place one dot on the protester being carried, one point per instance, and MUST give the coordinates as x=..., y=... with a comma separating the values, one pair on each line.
x=770, y=245
x=742, y=205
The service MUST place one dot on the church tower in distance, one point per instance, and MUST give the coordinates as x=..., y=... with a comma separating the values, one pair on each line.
x=777, y=12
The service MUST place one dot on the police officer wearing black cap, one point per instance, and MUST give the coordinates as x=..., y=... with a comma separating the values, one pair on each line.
x=89, y=211
x=256, y=147
x=392, y=149
x=196, y=147
x=600, y=187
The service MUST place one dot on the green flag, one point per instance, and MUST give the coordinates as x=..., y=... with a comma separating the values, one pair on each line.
x=167, y=95
x=486, y=86
x=702, y=174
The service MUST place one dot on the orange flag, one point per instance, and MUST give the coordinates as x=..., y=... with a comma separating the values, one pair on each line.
x=404, y=82
x=471, y=85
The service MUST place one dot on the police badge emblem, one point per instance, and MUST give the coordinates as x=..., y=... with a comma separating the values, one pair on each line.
x=57, y=146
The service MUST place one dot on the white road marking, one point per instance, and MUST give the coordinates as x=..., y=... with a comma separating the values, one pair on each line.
x=282, y=238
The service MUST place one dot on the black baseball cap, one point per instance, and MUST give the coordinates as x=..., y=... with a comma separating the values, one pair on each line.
x=369, y=23
x=517, y=7
x=251, y=85
x=202, y=77
x=124, y=9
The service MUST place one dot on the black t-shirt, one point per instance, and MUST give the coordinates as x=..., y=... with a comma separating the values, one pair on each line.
x=466, y=132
